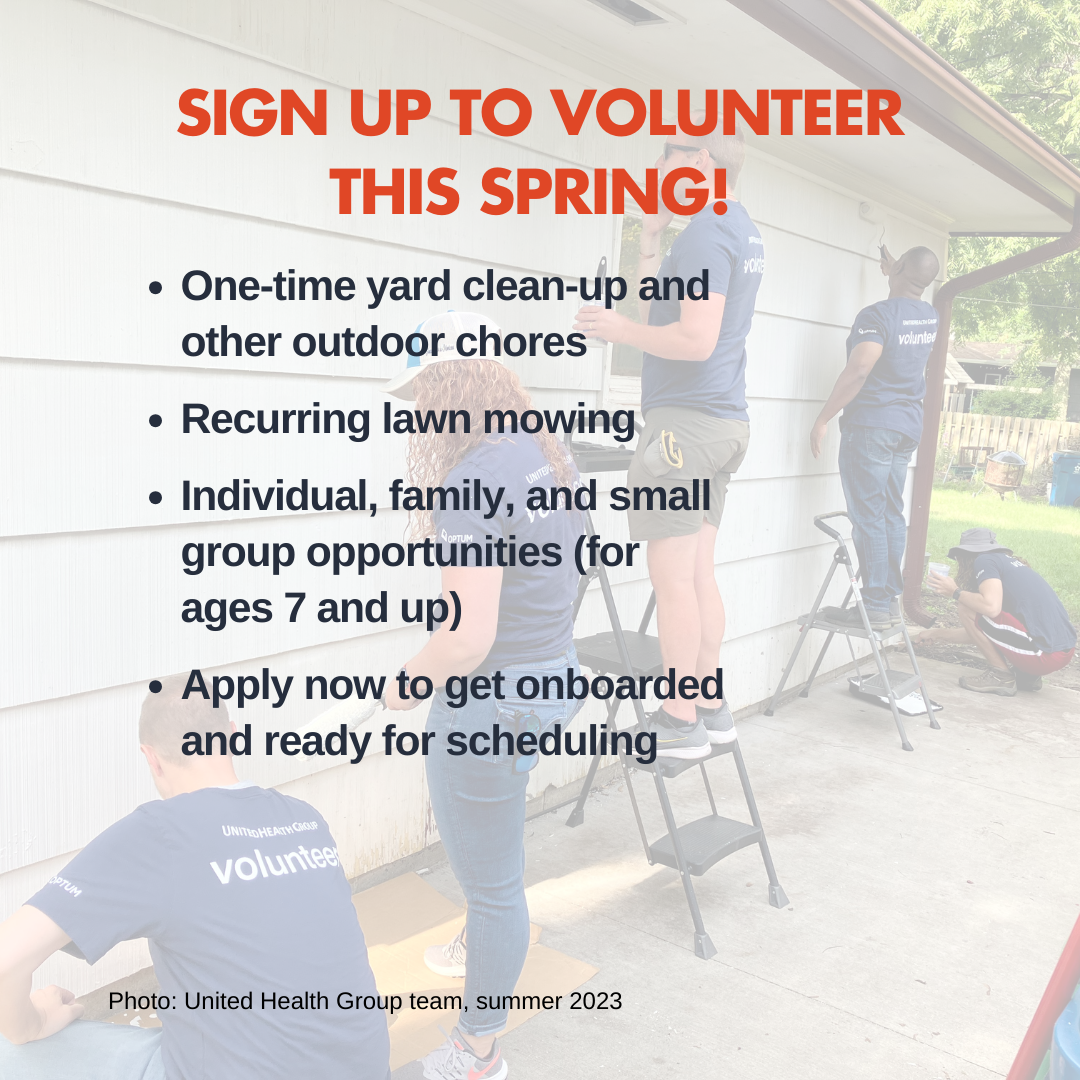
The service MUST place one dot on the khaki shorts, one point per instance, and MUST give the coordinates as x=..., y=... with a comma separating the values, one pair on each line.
x=712, y=449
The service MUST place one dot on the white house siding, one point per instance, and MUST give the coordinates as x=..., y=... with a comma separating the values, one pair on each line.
x=98, y=197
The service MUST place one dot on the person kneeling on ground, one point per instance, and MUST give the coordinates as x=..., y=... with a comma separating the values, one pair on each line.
x=1008, y=611
x=240, y=891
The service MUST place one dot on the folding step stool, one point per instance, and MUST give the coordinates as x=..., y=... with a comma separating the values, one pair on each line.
x=888, y=682
x=693, y=848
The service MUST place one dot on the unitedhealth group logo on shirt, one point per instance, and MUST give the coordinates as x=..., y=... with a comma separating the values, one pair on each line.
x=755, y=264
x=913, y=338
x=250, y=867
x=918, y=337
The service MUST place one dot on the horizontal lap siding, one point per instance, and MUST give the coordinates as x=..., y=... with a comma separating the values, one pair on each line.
x=79, y=295
x=90, y=212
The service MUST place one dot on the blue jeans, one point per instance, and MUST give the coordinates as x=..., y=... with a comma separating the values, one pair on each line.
x=873, y=468
x=86, y=1050
x=479, y=805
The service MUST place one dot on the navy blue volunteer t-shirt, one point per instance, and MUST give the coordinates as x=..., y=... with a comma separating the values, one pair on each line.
x=536, y=604
x=892, y=396
x=240, y=890
x=1027, y=597
x=728, y=246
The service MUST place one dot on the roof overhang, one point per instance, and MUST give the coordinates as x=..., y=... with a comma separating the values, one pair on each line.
x=964, y=165
x=866, y=46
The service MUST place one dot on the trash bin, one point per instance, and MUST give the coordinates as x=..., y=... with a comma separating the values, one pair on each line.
x=1065, y=1051
x=1066, y=489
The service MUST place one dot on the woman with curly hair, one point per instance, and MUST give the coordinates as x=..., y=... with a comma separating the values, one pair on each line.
x=517, y=619
x=1008, y=611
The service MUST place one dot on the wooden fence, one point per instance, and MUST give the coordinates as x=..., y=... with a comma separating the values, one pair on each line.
x=1033, y=440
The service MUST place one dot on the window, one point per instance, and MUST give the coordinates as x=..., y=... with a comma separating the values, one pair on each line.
x=625, y=359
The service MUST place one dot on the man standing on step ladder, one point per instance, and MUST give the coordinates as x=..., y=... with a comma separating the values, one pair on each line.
x=693, y=395
x=881, y=391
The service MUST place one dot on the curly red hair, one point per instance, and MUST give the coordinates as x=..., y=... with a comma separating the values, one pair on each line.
x=474, y=386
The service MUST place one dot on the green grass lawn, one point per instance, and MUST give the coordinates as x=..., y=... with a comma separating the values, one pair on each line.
x=1048, y=537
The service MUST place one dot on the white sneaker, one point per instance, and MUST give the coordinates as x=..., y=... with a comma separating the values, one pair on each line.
x=719, y=723
x=455, y=1060
x=448, y=959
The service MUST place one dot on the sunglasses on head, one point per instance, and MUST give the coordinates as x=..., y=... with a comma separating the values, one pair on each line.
x=670, y=147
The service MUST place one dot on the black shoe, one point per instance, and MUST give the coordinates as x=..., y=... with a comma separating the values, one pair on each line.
x=832, y=613
x=1024, y=681
x=879, y=620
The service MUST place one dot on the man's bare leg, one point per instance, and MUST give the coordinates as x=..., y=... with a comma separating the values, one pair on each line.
x=673, y=563
x=952, y=635
x=989, y=650
x=710, y=606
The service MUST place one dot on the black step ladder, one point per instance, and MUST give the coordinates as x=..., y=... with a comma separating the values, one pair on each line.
x=887, y=683
x=693, y=848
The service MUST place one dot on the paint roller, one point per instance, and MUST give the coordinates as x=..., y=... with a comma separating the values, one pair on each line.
x=350, y=713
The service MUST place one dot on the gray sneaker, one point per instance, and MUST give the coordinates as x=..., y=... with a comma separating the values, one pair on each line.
x=991, y=681
x=719, y=723
x=675, y=740
x=448, y=959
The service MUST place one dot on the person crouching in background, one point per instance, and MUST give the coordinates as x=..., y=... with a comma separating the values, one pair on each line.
x=1008, y=611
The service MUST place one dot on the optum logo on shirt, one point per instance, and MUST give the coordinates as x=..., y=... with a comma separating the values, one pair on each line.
x=64, y=884
x=248, y=869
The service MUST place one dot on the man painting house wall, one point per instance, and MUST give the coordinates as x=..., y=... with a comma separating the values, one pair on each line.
x=693, y=394
x=881, y=391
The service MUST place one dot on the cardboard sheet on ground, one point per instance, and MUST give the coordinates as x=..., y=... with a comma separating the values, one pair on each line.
x=401, y=907
x=405, y=915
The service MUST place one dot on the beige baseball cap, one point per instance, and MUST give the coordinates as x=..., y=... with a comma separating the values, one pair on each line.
x=452, y=324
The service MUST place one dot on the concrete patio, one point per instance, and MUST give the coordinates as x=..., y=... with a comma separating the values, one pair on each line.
x=930, y=895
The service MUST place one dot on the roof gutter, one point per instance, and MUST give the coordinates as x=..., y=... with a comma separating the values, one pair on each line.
x=935, y=391
x=869, y=48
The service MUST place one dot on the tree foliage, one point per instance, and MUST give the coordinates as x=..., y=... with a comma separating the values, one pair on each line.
x=1027, y=393
x=1026, y=55
x=1039, y=307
